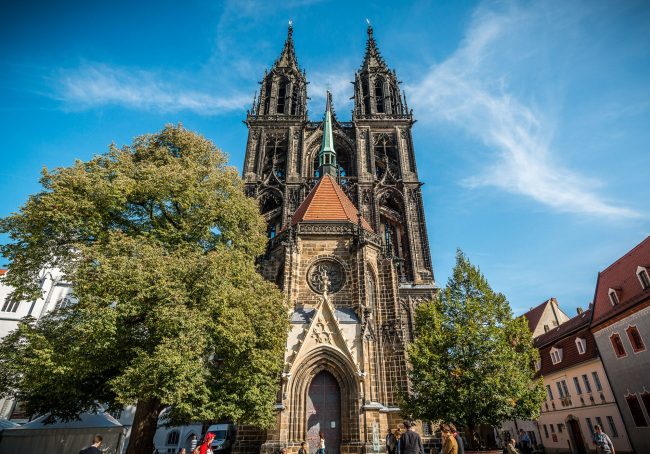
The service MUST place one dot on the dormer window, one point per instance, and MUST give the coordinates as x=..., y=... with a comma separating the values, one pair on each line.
x=613, y=296
x=581, y=344
x=644, y=278
x=556, y=355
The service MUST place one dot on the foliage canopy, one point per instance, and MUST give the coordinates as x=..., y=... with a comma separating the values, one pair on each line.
x=472, y=362
x=159, y=243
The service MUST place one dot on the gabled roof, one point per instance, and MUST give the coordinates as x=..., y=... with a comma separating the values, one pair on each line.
x=535, y=314
x=566, y=328
x=328, y=202
x=372, y=58
x=621, y=276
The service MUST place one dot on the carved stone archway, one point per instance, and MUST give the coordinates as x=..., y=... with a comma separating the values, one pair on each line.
x=324, y=358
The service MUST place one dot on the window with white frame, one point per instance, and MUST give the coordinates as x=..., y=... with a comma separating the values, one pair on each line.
x=613, y=296
x=644, y=278
x=556, y=355
x=581, y=344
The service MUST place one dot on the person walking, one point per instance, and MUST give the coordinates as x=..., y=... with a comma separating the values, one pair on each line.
x=193, y=442
x=391, y=442
x=94, y=448
x=321, y=443
x=449, y=444
x=206, y=446
x=459, y=439
x=410, y=441
x=304, y=448
x=398, y=436
x=602, y=441
x=524, y=442
x=511, y=447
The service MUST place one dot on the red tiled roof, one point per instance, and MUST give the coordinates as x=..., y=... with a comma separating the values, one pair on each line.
x=564, y=337
x=577, y=322
x=328, y=202
x=621, y=276
x=535, y=314
x=3, y=271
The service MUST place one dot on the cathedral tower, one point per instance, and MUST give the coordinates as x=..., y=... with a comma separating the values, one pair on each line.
x=348, y=247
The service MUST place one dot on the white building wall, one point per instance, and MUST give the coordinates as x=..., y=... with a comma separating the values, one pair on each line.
x=583, y=407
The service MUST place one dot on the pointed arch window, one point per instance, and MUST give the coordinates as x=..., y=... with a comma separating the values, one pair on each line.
x=635, y=339
x=379, y=95
x=617, y=344
x=294, y=101
x=275, y=156
x=394, y=103
x=282, y=95
x=636, y=411
x=267, y=96
x=365, y=92
x=386, y=157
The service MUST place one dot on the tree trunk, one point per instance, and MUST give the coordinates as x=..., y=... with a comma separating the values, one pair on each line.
x=473, y=444
x=145, y=423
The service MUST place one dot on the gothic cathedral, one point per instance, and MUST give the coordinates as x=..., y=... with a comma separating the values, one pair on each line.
x=347, y=245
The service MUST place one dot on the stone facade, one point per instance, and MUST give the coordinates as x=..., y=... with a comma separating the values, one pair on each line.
x=352, y=281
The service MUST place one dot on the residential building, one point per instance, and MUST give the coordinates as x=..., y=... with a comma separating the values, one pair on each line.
x=55, y=293
x=621, y=326
x=578, y=394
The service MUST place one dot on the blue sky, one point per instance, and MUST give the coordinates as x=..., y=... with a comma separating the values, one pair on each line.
x=533, y=124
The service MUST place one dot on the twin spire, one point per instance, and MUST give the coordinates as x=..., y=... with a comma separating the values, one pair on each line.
x=371, y=59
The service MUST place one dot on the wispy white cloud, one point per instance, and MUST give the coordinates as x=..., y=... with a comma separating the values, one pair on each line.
x=93, y=85
x=470, y=90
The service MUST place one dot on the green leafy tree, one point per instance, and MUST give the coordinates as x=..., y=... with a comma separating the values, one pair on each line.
x=471, y=362
x=159, y=243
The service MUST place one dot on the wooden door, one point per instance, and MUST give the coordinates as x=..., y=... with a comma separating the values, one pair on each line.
x=324, y=413
x=576, y=436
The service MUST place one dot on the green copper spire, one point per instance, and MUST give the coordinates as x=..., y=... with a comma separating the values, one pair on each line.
x=327, y=154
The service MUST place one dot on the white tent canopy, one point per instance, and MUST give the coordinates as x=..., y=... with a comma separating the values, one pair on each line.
x=63, y=437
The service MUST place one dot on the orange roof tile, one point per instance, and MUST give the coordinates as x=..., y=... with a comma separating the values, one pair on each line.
x=328, y=202
x=3, y=272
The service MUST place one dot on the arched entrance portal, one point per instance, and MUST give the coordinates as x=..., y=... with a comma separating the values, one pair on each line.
x=324, y=412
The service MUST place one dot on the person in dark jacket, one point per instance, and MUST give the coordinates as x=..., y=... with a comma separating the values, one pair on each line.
x=410, y=441
x=391, y=442
x=94, y=448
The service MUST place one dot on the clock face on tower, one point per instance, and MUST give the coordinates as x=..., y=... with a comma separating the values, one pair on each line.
x=326, y=275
